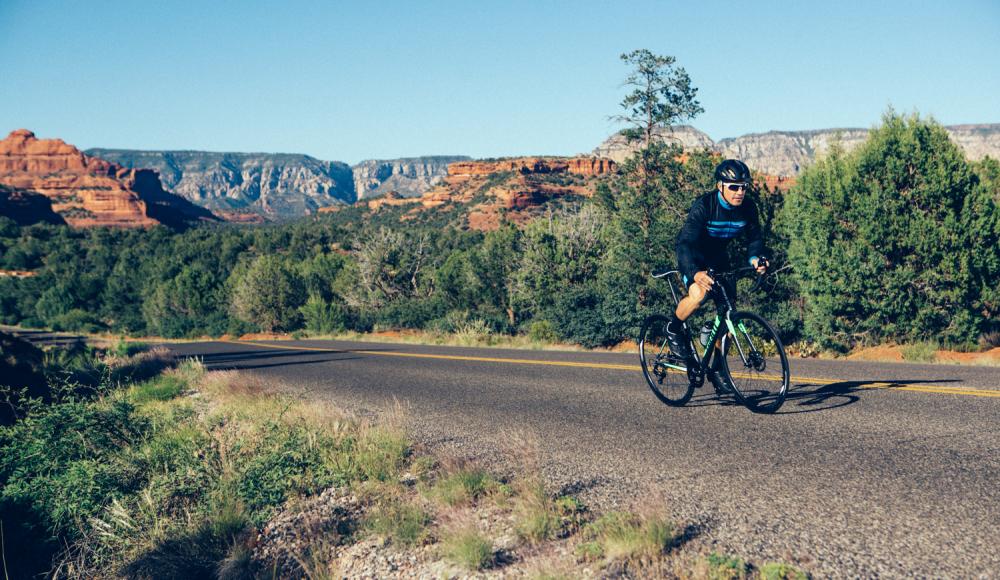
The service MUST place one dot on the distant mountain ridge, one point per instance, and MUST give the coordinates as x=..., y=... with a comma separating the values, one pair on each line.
x=284, y=185
x=408, y=176
x=786, y=153
x=281, y=185
x=277, y=184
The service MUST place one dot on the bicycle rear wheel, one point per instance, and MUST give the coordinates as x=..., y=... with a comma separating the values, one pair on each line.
x=665, y=373
x=755, y=363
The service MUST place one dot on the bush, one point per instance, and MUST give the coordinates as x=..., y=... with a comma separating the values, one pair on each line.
x=402, y=522
x=779, y=571
x=625, y=536
x=542, y=331
x=539, y=517
x=322, y=317
x=578, y=318
x=723, y=567
x=160, y=389
x=268, y=293
x=886, y=241
x=65, y=461
x=462, y=487
x=920, y=352
x=468, y=548
x=414, y=313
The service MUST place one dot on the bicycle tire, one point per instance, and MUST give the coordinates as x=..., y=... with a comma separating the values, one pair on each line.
x=755, y=363
x=670, y=385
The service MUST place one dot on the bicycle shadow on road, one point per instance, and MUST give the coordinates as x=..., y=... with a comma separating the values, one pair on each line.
x=808, y=397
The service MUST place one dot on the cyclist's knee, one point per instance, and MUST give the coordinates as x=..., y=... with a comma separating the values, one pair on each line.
x=697, y=293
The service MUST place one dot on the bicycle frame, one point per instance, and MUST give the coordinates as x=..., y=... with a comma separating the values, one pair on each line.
x=710, y=346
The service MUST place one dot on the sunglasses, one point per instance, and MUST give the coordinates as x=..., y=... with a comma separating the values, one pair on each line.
x=736, y=186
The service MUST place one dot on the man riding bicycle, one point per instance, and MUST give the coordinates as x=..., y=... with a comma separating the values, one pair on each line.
x=713, y=221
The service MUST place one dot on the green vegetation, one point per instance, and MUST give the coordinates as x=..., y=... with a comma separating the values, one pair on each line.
x=400, y=521
x=540, y=517
x=627, y=536
x=920, y=352
x=779, y=571
x=889, y=241
x=146, y=481
x=462, y=487
x=725, y=567
x=468, y=547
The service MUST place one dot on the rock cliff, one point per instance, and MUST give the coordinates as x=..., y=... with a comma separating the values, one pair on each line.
x=618, y=150
x=515, y=189
x=89, y=191
x=408, y=177
x=534, y=165
x=275, y=185
x=785, y=153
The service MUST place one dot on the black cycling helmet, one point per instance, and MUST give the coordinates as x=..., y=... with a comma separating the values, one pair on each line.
x=732, y=170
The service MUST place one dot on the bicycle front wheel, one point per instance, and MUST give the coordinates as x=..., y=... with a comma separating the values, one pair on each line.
x=755, y=363
x=665, y=373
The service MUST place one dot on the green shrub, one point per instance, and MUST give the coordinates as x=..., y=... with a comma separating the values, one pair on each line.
x=590, y=551
x=162, y=388
x=542, y=331
x=920, y=352
x=863, y=227
x=124, y=348
x=322, y=317
x=724, y=567
x=463, y=486
x=66, y=461
x=379, y=455
x=626, y=536
x=400, y=521
x=539, y=517
x=468, y=548
x=281, y=461
x=779, y=571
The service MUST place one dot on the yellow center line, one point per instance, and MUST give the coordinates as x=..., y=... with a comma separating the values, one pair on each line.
x=795, y=380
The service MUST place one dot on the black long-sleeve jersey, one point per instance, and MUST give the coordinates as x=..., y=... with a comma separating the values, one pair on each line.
x=711, y=224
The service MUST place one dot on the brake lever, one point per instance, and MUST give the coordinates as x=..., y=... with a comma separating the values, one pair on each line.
x=760, y=277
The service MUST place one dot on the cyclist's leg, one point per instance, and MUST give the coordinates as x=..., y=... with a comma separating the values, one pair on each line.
x=692, y=302
x=678, y=335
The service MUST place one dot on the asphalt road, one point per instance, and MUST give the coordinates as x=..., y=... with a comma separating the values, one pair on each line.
x=868, y=470
x=889, y=470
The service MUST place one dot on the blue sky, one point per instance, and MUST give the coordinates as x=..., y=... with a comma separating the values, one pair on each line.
x=355, y=80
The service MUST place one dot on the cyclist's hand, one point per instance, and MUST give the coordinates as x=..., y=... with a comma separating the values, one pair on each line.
x=760, y=264
x=704, y=280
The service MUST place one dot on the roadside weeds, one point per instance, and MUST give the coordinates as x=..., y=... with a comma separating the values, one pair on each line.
x=229, y=476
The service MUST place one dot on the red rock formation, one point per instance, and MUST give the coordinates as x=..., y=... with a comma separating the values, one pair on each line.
x=776, y=182
x=238, y=217
x=88, y=191
x=532, y=165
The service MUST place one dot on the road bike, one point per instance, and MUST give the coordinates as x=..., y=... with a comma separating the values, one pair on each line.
x=743, y=355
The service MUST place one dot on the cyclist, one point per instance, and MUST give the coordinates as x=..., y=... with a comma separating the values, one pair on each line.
x=714, y=219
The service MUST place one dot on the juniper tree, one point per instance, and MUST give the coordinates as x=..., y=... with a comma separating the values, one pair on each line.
x=895, y=241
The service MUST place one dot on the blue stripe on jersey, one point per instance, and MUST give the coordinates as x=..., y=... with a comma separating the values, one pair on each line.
x=724, y=228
